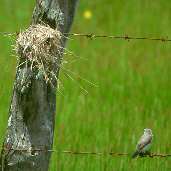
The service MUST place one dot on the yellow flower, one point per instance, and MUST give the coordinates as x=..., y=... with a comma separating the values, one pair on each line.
x=87, y=14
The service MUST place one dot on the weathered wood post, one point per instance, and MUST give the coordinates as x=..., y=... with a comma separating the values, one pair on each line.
x=33, y=104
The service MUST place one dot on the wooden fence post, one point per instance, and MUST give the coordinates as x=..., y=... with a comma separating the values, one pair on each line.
x=33, y=104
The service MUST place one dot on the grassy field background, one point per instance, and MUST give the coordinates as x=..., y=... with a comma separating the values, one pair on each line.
x=133, y=78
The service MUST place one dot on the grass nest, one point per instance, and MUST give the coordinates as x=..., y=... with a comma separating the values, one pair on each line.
x=39, y=48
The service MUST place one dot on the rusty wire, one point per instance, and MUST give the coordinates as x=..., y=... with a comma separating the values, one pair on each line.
x=93, y=36
x=114, y=154
x=34, y=150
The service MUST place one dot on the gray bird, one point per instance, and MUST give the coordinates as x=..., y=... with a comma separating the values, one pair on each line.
x=144, y=142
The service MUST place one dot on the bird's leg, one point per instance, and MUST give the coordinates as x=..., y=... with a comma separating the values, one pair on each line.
x=141, y=154
x=145, y=154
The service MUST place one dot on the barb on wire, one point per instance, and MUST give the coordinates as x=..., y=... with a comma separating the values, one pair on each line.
x=91, y=36
x=34, y=150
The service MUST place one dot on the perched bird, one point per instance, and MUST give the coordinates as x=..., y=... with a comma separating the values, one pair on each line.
x=144, y=142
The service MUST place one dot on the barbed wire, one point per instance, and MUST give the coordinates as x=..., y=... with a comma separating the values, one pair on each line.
x=126, y=37
x=114, y=154
x=93, y=36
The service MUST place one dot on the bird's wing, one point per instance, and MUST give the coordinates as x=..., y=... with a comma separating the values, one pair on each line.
x=144, y=140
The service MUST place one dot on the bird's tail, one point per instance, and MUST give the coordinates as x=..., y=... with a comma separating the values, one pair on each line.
x=134, y=154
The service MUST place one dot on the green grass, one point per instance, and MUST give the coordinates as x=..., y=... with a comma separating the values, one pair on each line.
x=133, y=78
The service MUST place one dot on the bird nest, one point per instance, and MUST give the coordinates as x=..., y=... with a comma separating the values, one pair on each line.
x=39, y=48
